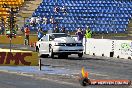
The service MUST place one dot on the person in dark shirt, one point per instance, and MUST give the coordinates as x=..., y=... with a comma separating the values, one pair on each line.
x=64, y=9
x=56, y=9
x=63, y=30
x=40, y=33
x=79, y=35
x=56, y=30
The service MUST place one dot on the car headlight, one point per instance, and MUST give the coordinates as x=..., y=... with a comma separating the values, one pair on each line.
x=79, y=44
x=60, y=44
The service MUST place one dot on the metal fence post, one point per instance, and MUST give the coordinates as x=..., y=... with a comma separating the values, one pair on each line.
x=40, y=64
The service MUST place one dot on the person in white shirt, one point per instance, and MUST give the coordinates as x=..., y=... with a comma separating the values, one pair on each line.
x=52, y=20
x=44, y=20
x=32, y=20
x=64, y=9
x=38, y=20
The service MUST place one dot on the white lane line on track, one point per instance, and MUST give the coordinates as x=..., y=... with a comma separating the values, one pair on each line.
x=98, y=74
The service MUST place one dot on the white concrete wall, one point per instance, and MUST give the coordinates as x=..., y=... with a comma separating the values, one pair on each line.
x=123, y=48
x=99, y=47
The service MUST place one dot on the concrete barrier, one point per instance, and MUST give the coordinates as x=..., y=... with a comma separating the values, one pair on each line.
x=109, y=48
x=18, y=58
x=99, y=47
x=123, y=49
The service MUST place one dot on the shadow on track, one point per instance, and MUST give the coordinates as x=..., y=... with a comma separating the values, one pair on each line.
x=77, y=58
x=83, y=58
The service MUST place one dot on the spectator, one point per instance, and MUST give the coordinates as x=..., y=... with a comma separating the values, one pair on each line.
x=38, y=20
x=27, y=32
x=56, y=9
x=64, y=9
x=22, y=29
x=44, y=20
x=16, y=27
x=2, y=29
x=63, y=30
x=84, y=32
x=2, y=20
x=52, y=21
x=56, y=30
x=40, y=34
x=79, y=35
x=88, y=33
x=41, y=20
x=5, y=5
x=33, y=21
x=2, y=25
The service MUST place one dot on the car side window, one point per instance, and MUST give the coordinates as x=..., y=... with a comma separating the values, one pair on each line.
x=45, y=38
x=51, y=37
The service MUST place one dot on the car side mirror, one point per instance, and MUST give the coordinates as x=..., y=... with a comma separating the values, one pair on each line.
x=41, y=39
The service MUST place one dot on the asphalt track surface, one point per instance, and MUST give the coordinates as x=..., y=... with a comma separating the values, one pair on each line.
x=103, y=66
x=16, y=81
x=16, y=46
x=98, y=68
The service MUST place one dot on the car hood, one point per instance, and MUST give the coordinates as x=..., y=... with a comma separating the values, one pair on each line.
x=65, y=40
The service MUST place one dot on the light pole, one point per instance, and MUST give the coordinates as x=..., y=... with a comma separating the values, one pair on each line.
x=11, y=20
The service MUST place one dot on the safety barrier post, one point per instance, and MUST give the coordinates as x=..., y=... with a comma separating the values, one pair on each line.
x=85, y=45
x=40, y=64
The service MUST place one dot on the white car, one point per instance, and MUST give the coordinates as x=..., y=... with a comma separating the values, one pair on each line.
x=60, y=44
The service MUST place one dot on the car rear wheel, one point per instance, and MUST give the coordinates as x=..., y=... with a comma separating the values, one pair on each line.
x=44, y=56
x=60, y=56
x=80, y=55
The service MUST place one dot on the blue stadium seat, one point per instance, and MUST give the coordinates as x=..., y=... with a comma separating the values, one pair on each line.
x=99, y=14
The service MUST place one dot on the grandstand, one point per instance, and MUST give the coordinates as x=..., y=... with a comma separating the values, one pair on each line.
x=102, y=16
x=26, y=10
x=9, y=3
x=5, y=7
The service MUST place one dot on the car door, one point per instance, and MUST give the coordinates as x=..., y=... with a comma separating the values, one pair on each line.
x=44, y=46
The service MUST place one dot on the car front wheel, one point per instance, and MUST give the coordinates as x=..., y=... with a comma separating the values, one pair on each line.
x=80, y=55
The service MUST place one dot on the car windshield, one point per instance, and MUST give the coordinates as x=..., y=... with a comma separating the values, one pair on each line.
x=53, y=36
x=60, y=35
